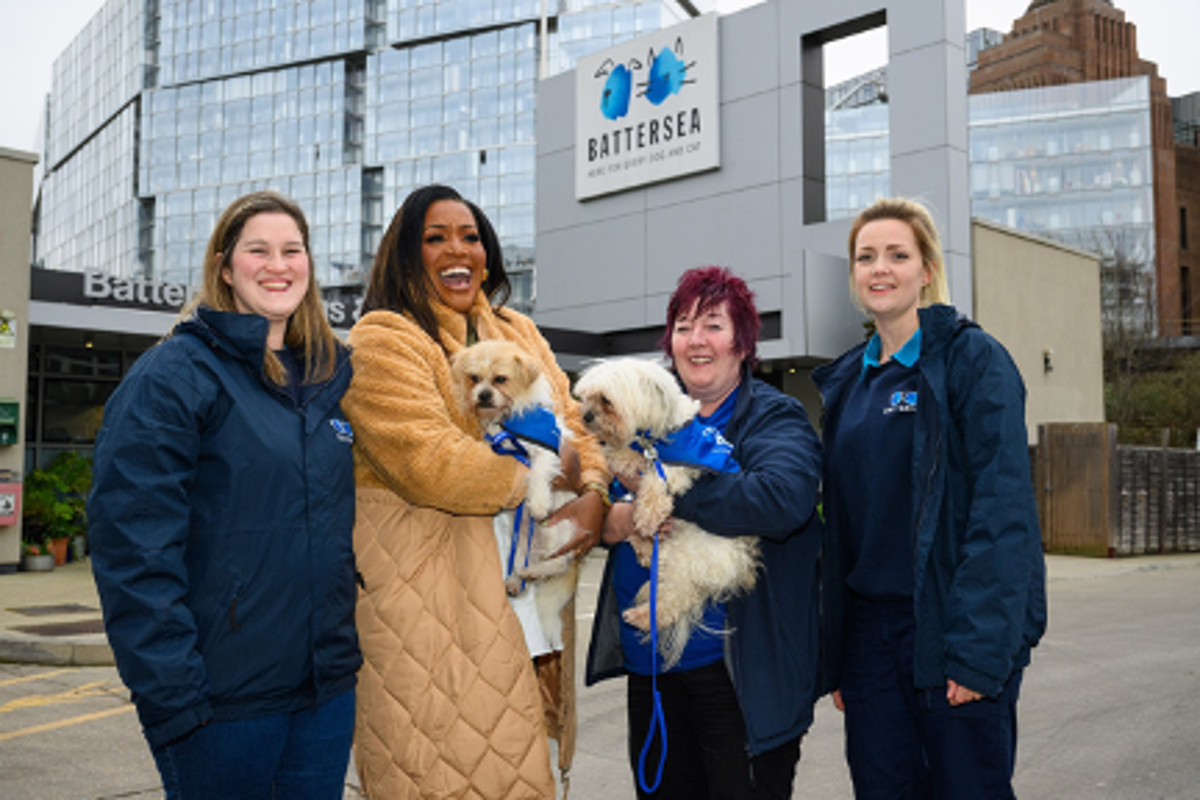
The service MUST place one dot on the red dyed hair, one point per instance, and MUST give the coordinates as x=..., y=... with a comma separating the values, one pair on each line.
x=706, y=288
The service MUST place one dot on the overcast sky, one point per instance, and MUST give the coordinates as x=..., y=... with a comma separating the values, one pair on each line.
x=34, y=32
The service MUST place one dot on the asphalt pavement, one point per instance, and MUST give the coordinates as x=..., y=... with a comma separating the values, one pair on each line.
x=1110, y=707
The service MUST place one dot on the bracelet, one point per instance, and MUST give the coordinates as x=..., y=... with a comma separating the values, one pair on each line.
x=600, y=489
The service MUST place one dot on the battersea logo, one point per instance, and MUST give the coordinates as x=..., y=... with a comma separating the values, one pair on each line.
x=903, y=402
x=668, y=72
x=342, y=430
x=666, y=76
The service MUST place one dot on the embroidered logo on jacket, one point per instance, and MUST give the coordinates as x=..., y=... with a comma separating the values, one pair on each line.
x=904, y=402
x=342, y=430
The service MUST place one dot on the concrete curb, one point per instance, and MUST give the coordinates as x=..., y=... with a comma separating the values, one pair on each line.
x=55, y=652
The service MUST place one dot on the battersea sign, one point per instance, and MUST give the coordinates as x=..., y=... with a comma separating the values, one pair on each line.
x=95, y=288
x=648, y=110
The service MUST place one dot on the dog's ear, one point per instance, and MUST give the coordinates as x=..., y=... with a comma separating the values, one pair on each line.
x=680, y=408
x=527, y=368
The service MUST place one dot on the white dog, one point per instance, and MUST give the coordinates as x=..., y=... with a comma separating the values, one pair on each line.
x=499, y=382
x=633, y=406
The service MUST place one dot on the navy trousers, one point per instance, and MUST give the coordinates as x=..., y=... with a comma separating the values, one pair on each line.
x=906, y=743
x=706, y=741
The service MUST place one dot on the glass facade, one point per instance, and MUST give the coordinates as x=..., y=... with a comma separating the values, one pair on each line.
x=89, y=214
x=101, y=71
x=164, y=111
x=68, y=386
x=857, y=165
x=1071, y=162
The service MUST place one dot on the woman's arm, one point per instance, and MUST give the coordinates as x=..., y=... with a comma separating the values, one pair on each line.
x=138, y=521
x=991, y=584
x=776, y=490
x=409, y=430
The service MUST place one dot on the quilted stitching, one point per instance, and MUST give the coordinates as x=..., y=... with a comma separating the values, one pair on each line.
x=447, y=694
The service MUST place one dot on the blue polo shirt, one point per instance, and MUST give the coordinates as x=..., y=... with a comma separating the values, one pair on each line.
x=873, y=454
x=707, y=643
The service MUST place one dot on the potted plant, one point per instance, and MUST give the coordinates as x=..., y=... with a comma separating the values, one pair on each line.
x=55, y=497
x=36, y=557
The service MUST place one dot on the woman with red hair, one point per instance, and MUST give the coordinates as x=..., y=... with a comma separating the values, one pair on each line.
x=734, y=708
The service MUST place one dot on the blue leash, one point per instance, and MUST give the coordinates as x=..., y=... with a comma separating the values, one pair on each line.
x=505, y=444
x=657, y=716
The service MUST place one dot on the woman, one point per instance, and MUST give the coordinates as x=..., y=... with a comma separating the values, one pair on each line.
x=927, y=486
x=221, y=521
x=742, y=696
x=450, y=699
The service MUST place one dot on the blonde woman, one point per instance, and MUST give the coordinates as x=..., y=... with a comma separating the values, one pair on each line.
x=221, y=519
x=929, y=498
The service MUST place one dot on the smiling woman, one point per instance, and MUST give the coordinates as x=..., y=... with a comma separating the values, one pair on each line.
x=224, y=455
x=928, y=657
x=268, y=271
x=434, y=617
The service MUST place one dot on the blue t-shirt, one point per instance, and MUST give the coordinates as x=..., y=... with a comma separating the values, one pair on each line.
x=707, y=643
x=872, y=458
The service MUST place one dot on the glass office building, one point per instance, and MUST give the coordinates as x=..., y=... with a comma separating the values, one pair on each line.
x=163, y=111
x=1071, y=163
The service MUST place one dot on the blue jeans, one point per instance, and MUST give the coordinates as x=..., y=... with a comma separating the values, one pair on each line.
x=298, y=756
x=904, y=743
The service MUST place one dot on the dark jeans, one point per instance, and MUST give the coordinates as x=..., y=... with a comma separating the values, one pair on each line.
x=706, y=741
x=903, y=742
x=297, y=756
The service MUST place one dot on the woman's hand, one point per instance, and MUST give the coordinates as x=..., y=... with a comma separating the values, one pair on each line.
x=618, y=524
x=587, y=512
x=958, y=695
x=838, y=702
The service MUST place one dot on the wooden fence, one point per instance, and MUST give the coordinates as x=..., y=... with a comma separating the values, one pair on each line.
x=1100, y=498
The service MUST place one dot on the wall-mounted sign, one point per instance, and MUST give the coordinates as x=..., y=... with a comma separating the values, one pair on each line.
x=648, y=110
x=8, y=333
x=95, y=288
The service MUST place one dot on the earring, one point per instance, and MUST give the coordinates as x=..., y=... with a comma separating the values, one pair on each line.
x=485, y=274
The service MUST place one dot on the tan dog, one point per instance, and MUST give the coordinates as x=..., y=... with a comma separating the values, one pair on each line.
x=633, y=401
x=495, y=381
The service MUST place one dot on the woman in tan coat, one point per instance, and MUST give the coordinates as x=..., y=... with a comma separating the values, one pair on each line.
x=450, y=703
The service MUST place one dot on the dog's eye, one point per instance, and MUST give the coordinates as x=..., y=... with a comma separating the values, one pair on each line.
x=473, y=378
x=604, y=402
x=500, y=380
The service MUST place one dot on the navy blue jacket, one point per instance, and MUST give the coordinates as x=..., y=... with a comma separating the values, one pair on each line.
x=773, y=647
x=220, y=526
x=979, y=576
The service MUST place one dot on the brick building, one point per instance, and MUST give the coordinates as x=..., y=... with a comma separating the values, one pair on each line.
x=1187, y=167
x=1061, y=42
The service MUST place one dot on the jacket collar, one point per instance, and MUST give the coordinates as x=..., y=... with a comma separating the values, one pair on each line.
x=243, y=336
x=453, y=325
x=938, y=325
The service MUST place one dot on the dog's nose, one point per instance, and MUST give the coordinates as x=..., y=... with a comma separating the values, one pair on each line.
x=485, y=397
x=588, y=416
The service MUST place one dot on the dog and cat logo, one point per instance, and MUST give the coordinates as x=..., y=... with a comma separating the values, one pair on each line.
x=903, y=402
x=666, y=76
x=342, y=430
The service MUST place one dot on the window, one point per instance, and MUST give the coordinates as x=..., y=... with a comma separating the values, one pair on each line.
x=1185, y=301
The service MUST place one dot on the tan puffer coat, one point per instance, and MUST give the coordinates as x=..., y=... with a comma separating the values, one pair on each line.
x=449, y=702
